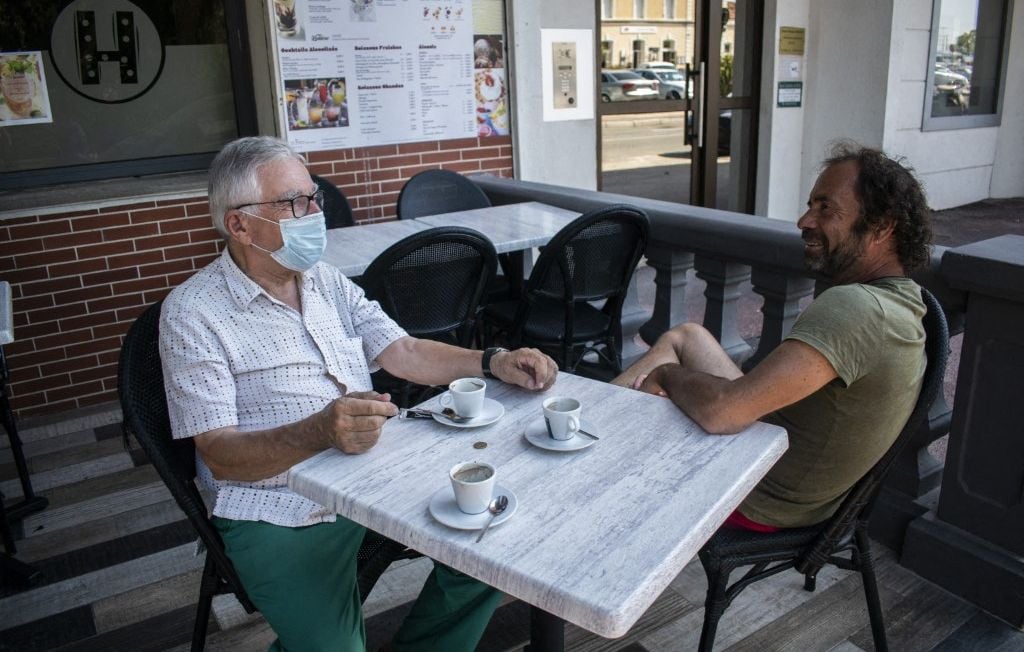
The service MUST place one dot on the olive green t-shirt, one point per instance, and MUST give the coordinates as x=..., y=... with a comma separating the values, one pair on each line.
x=873, y=337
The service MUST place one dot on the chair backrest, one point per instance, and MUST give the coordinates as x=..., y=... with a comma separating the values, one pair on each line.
x=140, y=384
x=337, y=211
x=433, y=192
x=858, y=503
x=431, y=282
x=592, y=258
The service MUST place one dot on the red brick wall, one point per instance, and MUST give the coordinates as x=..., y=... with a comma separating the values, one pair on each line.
x=80, y=278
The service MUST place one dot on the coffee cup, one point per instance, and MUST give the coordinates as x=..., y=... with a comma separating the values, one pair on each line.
x=562, y=416
x=473, y=484
x=465, y=396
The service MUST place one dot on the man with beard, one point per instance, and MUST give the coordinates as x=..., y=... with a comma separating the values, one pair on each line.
x=846, y=377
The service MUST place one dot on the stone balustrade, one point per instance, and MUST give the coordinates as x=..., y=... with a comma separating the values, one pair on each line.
x=971, y=511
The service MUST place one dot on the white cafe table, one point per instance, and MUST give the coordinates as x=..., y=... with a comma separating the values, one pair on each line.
x=512, y=228
x=598, y=533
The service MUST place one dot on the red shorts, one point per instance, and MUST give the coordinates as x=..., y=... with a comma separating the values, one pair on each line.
x=737, y=521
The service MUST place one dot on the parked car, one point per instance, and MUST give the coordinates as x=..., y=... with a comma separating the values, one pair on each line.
x=951, y=88
x=619, y=85
x=657, y=65
x=671, y=83
x=724, y=130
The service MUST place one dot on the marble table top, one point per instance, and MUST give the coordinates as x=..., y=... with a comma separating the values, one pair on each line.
x=512, y=227
x=598, y=533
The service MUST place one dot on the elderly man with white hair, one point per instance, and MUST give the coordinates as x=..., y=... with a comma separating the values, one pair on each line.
x=267, y=355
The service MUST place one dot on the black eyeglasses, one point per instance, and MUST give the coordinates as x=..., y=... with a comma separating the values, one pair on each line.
x=300, y=204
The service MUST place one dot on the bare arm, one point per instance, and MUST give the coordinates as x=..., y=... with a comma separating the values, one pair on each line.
x=351, y=424
x=434, y=363
x=790, y=373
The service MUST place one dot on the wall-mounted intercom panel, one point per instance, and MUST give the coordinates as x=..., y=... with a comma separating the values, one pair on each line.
x=564, y=69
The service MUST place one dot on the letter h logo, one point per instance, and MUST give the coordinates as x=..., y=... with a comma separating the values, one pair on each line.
x=89, y=57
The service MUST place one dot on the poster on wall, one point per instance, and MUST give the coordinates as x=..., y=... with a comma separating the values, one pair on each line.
x=369, y=72
x=23, y=96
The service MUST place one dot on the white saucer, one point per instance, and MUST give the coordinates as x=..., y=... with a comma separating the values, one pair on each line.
x=537, y=434
x=491, y=412
x=444, y=509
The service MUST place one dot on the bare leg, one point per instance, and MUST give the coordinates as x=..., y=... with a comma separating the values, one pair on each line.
x=690, y=345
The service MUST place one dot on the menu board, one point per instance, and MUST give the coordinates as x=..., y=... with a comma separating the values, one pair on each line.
x=369, y=72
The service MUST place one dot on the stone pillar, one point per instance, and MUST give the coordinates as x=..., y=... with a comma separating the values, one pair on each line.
x=721, y=313
x=670, y=265
x=973, y=542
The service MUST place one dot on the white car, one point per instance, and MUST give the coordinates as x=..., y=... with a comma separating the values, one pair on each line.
x=619, y=85
x=671, y=83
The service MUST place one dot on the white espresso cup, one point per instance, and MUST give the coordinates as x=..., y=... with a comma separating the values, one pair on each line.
x=473, y=484
x=465, y=396
x=562, y=416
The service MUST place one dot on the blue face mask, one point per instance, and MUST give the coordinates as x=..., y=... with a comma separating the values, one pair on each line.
x=303, y=238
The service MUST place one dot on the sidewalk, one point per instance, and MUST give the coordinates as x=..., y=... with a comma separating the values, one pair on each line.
x=981, y=220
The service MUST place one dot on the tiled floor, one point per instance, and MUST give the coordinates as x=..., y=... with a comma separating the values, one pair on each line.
x=120, y=573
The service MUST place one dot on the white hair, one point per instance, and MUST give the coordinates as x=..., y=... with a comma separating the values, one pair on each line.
x=234, y=173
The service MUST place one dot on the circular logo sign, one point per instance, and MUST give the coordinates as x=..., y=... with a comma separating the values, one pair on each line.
x=108, y=51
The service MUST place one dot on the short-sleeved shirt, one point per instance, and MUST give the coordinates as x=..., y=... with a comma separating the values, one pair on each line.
x=234, y=356
x=873, y=337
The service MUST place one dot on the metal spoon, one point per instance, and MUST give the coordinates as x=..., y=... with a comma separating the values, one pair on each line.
x=447, y=413
x=497, y=506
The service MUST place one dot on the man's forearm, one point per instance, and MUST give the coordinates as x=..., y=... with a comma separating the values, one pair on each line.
x=703, y=397
x=233, y=454
x=428, y=362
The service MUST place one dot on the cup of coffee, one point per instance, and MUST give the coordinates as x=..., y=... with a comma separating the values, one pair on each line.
x=562, y=416
x=465, y=396
x=473, y=484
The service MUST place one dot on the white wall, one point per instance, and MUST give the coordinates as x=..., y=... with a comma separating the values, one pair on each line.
x=847, y=72
x=563, y=153
x=1008, y=172
x=956, y=166
x=780, y=135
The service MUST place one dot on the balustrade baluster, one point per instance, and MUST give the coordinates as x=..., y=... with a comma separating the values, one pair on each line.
x=782, y=294
x=671, y=266
x=721, y=314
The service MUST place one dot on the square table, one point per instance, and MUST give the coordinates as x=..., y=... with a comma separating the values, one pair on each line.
x=598, y=533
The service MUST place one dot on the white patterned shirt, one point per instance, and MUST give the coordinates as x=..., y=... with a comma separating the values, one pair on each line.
x=234, y=356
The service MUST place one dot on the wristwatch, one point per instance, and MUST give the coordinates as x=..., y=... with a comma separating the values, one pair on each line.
x=486, y=361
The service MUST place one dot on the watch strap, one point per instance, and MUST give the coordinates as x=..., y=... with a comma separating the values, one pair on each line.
x=485, y=363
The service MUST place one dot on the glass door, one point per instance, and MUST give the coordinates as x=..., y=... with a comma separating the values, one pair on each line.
x=708, y=65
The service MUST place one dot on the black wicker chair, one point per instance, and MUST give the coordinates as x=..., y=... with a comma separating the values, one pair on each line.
x=809, y=549
x=431, y=283
x=144, y=406
x=590, y=260
x=433, y=192
x=337, y=211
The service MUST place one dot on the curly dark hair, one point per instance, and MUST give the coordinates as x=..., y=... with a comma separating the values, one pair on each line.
x=888, y=190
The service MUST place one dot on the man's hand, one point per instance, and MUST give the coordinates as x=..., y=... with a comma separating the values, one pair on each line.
x=352, y=423
x=528, y=368
x=649, y=383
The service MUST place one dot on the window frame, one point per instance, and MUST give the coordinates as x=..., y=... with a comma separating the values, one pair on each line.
x=943, y=123
x=244, y=97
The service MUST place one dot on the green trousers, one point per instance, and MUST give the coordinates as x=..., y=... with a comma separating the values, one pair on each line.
x=303, y=581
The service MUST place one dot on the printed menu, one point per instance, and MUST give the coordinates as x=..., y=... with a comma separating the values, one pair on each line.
x=369, y=72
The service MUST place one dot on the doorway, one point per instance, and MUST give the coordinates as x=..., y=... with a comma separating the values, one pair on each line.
x=670, y=147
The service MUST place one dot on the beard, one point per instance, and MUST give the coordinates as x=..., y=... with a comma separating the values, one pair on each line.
x=832, y=263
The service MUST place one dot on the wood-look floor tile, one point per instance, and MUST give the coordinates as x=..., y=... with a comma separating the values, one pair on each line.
x=152, y=635
x=69, y=474
x=85, y=589
x=147, y=601
x=51, y=543
x=49, y=632
x=119, y=502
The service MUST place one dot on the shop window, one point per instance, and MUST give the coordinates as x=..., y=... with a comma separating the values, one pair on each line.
x=967, y=65
x=95, y=90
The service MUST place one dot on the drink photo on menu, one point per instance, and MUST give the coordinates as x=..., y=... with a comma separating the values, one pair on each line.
x=316, y=103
